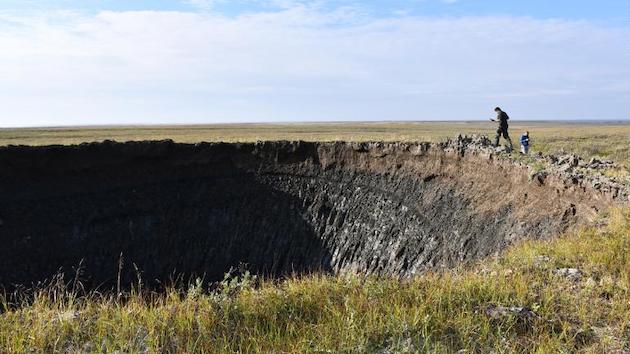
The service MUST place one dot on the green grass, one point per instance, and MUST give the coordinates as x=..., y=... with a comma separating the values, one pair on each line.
x=434, y=312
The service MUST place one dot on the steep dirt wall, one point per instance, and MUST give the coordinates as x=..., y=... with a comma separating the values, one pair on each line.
x=182, y=210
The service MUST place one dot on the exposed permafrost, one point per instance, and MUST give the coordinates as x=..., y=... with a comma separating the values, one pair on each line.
x=181, y=209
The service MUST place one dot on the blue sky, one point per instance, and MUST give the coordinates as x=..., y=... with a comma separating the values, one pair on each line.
x=71, y=62
x=609, y=10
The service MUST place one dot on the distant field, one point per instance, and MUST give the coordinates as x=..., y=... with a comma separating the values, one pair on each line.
x=586, y=139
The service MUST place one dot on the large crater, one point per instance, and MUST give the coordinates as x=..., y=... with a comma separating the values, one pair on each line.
x=280, y=207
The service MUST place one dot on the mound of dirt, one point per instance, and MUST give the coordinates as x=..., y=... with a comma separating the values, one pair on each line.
x=280, y=207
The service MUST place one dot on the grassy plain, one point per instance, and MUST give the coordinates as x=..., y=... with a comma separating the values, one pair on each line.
x=438, y=312
x=587, y=139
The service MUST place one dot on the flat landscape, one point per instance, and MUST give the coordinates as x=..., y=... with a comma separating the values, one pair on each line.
x=569, y=293
x=611, y=140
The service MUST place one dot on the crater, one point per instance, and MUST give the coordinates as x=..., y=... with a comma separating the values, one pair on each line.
x=181, y=210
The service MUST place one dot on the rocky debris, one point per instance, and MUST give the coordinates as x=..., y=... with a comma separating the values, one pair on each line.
x=575, y=171
x=596, y=163
x=499, y=312
x=539, y=177
x=565, y=168
x=397, y=345
x=608, y=186
x=574, y=161
x=551, y=159
x=524, y=317
x=590, y=282
x=573, y=274
x=570, y=160
x=466, y=144
x=570, y=168
x=541, y=261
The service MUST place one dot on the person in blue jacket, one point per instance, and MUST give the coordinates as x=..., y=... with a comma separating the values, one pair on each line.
x=525, y=143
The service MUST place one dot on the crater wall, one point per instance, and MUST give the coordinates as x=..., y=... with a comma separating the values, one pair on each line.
x=180, y=210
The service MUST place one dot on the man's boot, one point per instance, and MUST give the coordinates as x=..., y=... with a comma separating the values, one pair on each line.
x=510, y=146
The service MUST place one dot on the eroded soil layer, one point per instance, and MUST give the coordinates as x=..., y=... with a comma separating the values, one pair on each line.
x=280, y=207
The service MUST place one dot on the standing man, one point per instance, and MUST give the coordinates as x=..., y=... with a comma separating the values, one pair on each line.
x=502, y=118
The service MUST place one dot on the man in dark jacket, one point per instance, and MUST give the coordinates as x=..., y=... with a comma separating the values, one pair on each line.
x=502, y=118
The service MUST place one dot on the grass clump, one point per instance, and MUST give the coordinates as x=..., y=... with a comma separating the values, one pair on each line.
x=571, y=294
